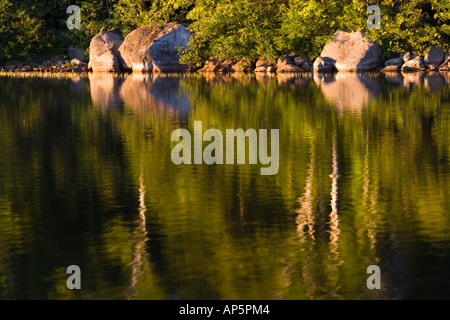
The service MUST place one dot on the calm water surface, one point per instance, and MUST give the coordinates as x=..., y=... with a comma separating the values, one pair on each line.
x=86, y=179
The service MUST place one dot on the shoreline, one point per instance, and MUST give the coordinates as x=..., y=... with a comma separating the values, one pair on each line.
x=84, y=71
x=259, y=77
x=141, y=52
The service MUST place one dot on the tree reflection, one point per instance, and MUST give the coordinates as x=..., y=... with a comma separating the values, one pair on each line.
x=87, y=177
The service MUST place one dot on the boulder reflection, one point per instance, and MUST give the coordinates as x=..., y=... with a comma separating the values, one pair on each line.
x=105, y=90
x=291, y=80
x=353, y=91
x=349, y=91
x=139, y=92
x=434, y=81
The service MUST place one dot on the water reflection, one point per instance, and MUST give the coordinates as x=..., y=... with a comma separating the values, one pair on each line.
x=264, y=77
x=349, y=91
x=412, y=79
x=140, y=237
x=99, y=188
x=139, y=92
x=369, y=192
x=142, y=92
x=169, y=93
x=346, y=91
x=434, y=81
x=334, y=218
x=305, y=216
x=289, y=80
x=135, y=92
x=105, y=89
x=395, y=78
x=77, y=84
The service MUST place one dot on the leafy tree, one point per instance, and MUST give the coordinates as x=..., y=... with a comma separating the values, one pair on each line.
x=233, y=29
x=21, y=33
x=236, y=29
x=413, y=25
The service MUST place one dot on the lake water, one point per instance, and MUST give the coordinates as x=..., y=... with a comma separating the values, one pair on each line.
x=86, y=178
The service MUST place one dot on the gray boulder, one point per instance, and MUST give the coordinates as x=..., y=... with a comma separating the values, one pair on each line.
x=78, y=63
x=392, y=65
x=414, y=65
x=445, y=66
x=104, y=42
x=407, y=56
x=434, y=56
x=352, y=52
x=19, y=64
x=394, y=62
x=107, y=62
x=300, y=61
x=391, y=68
x=211, y=65
x=287, y=58
x=134, y=53
x=262, y=65
x=242, y=66
x=155, y=49
x=288, y=68
x=322, y=65
x=260, y=69
x=76, y=53
x=59, y=62
x=308, y=66
x=227, y=65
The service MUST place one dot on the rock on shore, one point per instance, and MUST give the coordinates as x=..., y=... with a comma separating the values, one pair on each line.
x=322, y=65
x=154, y=49
x=262, y=65
x=435, y=59
x=76, y=53
x=414, y=65
x=351, y=51
x=213, y=64
x=103, y=52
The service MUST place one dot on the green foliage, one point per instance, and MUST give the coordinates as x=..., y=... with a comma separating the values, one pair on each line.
x=237, y=29
x=128, y=15
x=413, y=25
x=20, y=33
x=298, y=33
x=249, y=28
x=233, y=29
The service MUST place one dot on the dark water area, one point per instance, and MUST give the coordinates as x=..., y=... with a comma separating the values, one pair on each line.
x=87, y=179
